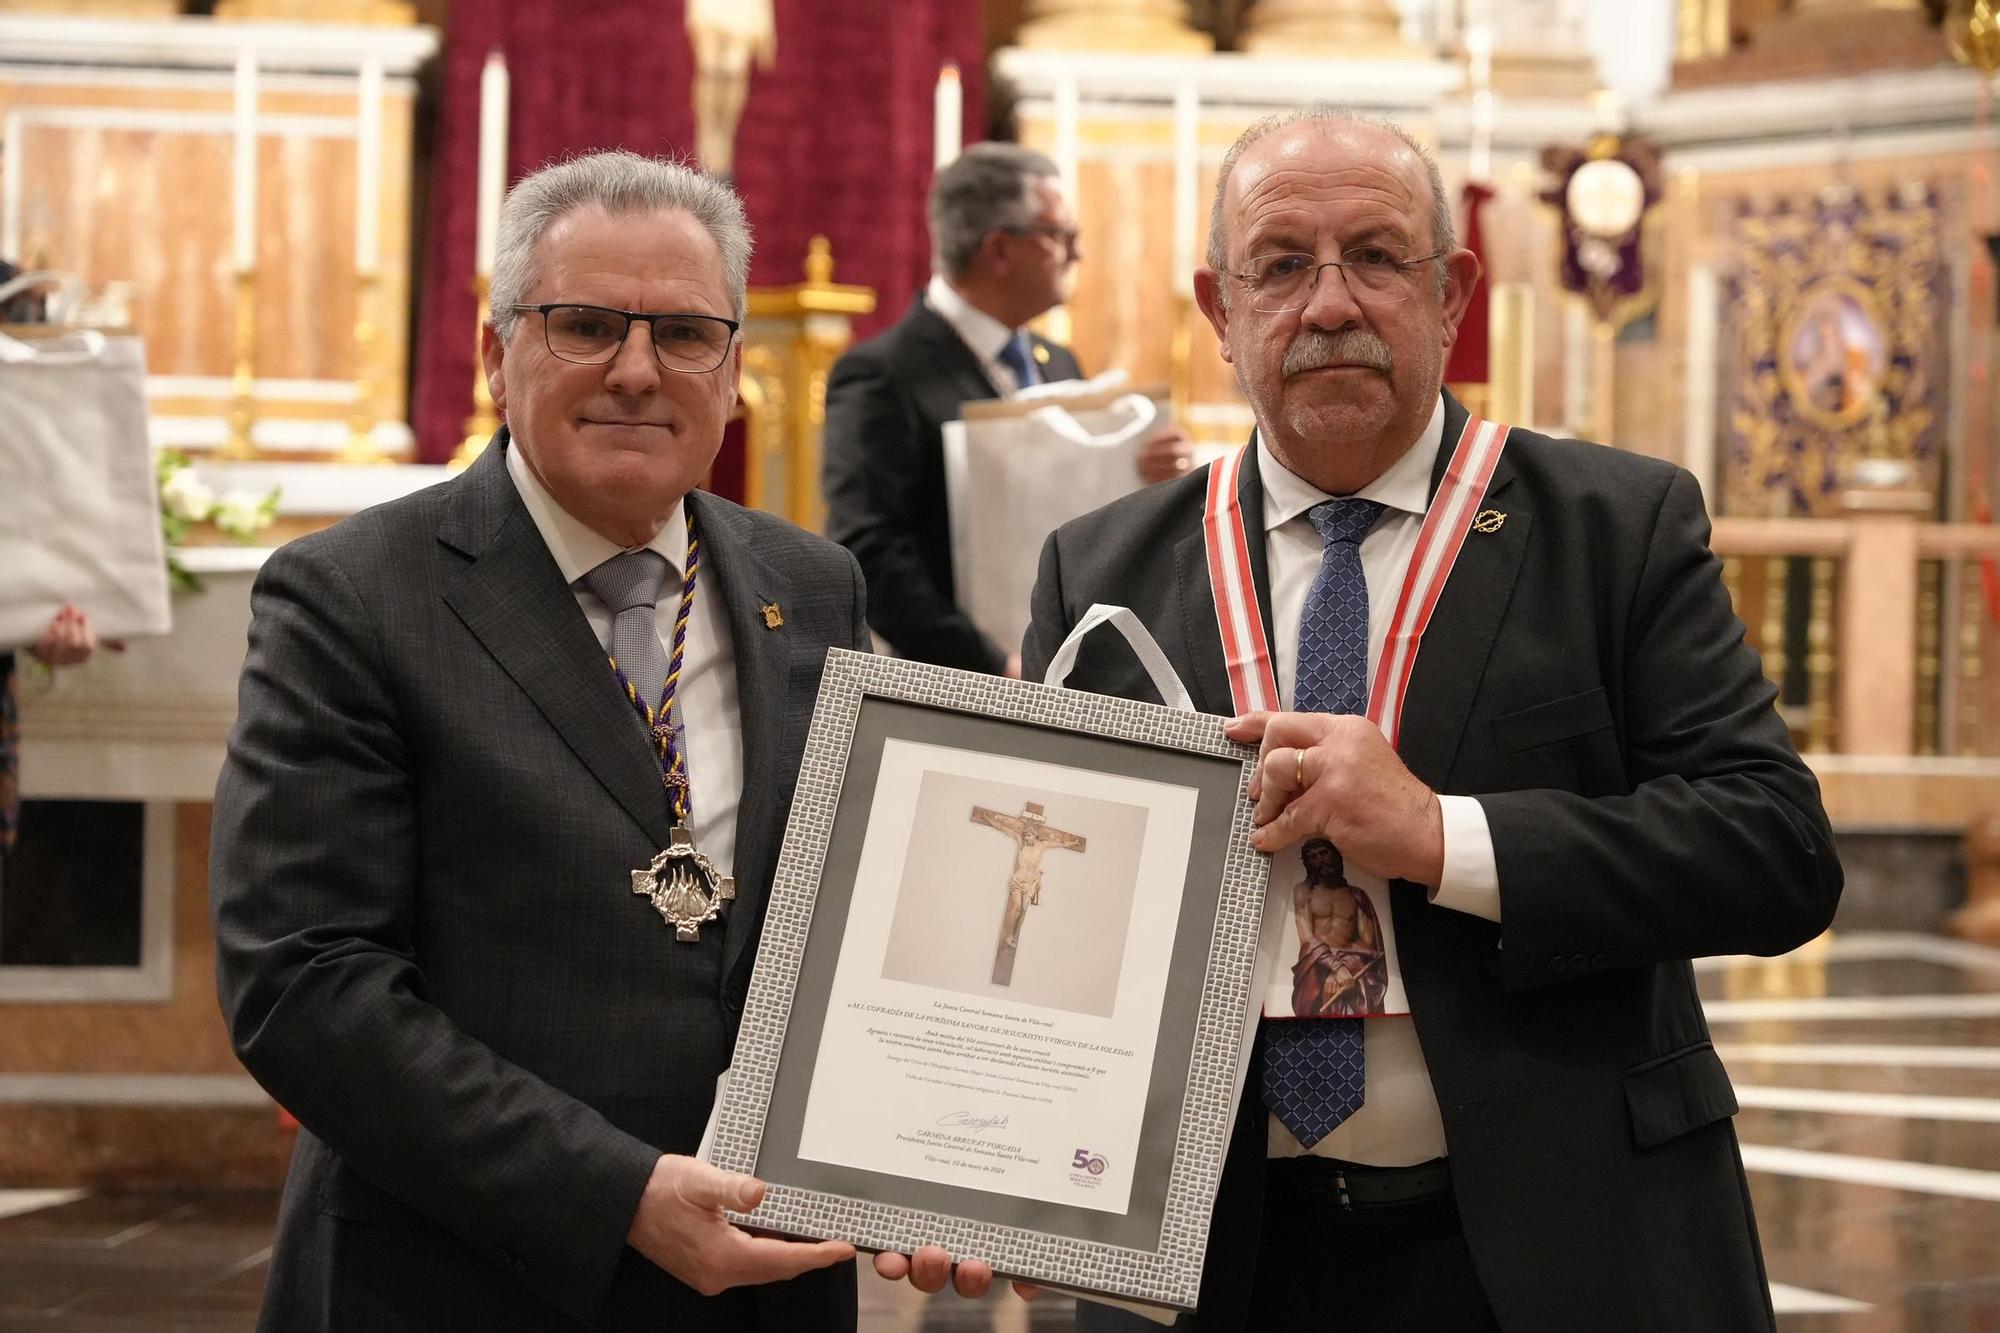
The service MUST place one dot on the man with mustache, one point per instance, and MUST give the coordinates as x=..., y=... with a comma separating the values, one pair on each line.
x=467, y=719
x=1588, y=786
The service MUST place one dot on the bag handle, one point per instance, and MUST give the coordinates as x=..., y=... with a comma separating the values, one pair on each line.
x=1144, y=646
x=1057, y=420
x=62, y=302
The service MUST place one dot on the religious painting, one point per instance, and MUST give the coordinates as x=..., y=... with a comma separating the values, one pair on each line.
x=1018, y=891
x=1833, y=353
x=1328, y=947
x=1016, y=926
x=1835, y=347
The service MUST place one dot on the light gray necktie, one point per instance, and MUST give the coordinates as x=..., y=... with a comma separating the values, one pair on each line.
x=629, y=584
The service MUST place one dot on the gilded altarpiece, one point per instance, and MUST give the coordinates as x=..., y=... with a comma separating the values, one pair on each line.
x=1838, y=351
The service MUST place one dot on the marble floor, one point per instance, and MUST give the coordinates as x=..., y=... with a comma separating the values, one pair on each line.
x=1868, y=1067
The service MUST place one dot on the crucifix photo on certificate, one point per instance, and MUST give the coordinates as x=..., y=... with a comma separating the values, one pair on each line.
x=1005, y=974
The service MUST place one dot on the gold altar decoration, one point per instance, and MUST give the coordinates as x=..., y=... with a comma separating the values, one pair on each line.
x=1350, y=29
x=1972, y=29
x=485, y=418
x=242, y=373
x=361, y=449
x=791, y=339
x=1152, y=26
x=1837, y=312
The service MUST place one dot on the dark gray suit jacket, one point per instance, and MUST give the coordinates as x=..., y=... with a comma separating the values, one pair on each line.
x=428, y=946
x=1587, y=679
x=886, y=406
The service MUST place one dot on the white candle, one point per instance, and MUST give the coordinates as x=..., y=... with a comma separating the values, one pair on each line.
x=492, y=156
x=1479, y=167
x=244, y=174
x=1187, y=185
x=368, y=170
x=947, y=118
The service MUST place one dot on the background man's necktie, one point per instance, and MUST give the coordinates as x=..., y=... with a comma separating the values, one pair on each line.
x=629, y=584
x=1014, y=355
x=1313, y=1067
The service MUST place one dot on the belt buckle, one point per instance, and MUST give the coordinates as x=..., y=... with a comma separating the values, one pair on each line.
x=1341, y=1195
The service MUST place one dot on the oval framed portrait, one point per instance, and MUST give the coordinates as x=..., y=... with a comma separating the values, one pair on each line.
x=1833, y=353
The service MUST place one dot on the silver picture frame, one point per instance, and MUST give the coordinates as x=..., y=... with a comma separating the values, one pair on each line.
x=1149, y=1251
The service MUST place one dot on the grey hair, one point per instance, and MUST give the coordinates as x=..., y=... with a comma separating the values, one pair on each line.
x=988, y=187
x=619, y=182
x=1444, y=233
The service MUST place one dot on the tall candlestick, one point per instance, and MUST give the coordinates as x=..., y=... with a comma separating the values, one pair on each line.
x=1187, y=184
x=948, y=118
x=368, y=170
x=244, y=175
x=492, y=156
x=1479, y=71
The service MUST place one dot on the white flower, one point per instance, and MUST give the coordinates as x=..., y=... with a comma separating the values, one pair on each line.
x=185, y=497
x=241, y=513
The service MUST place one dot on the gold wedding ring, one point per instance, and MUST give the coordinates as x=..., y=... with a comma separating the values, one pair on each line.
x=1298, y=770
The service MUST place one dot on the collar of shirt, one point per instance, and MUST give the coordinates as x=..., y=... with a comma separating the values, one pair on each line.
x=981, y=332
x=577, y=547
x=1406, y=486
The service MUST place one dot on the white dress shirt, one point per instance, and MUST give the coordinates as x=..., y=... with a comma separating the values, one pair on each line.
x=707, y=689
x=1398, y=1123
x=979, y=331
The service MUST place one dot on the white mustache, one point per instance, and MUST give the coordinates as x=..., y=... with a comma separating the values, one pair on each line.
x=1315, y=348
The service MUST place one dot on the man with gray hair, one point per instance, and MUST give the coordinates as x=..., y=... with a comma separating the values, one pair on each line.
x=502, y=806
x=1004, y=250
x=1586, y=788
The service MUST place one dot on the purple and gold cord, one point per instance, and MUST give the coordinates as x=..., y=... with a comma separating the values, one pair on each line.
x=659, y=721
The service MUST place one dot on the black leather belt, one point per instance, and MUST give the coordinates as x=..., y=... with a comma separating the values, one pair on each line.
x=1351, y=1185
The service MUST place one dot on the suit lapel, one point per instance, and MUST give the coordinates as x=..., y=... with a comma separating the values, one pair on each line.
x=962, y=371
x=513, y=598
x=1451, y=660
x=736, y=574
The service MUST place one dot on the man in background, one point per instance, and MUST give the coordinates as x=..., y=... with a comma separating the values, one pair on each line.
x=1004, y=251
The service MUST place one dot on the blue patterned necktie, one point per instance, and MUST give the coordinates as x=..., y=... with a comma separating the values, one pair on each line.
x=1313, y=1067
x=1013, y=354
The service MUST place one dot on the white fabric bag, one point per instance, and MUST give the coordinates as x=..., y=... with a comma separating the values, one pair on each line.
x=1015, y=470
x=79, y=518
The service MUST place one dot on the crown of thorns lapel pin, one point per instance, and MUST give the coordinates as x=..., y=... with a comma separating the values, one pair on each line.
x=1489, y=520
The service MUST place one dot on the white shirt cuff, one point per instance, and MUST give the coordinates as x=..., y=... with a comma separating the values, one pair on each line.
x=1471, y=881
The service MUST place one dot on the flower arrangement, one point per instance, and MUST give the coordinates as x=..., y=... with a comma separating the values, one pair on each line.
x=186, y=500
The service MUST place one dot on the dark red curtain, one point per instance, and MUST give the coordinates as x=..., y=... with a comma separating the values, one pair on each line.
x=1469, y=355
x=835, y=141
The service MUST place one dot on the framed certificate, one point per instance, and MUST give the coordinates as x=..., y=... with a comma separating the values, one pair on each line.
x=1001, y=997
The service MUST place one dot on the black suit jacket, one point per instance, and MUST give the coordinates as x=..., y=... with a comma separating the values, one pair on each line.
x=886, y=406
x=428, y=946
x=1586, y=678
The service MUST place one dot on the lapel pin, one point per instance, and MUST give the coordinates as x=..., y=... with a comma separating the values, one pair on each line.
x=1041, y=354
x=773, y=617
x=1489, y=520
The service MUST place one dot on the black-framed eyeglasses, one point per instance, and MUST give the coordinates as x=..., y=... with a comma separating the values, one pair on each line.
x=591, y=335
x=1286, y=281
x=1066, y=237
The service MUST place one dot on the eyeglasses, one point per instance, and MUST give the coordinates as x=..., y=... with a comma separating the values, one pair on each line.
x=1286, y=282
x=591, y=335
x=1066, y=237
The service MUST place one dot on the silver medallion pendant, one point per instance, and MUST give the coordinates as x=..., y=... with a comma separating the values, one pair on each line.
x=684, y=887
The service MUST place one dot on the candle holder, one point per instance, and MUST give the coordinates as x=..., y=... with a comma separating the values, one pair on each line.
x=242, y=383
x=361, y=450
x=485, y=418
x=1181, y=358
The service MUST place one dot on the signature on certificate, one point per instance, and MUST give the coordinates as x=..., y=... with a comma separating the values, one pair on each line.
x=967, y=1120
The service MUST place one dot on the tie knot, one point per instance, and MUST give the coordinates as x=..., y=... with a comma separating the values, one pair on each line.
x=628, y=579
x=1014, y=355
x=1345, y=520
